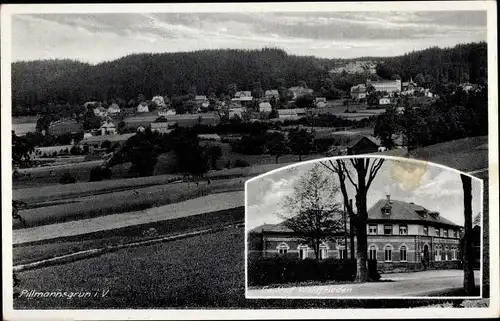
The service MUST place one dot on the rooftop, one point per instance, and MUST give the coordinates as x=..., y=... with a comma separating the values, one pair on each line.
x=405, y=212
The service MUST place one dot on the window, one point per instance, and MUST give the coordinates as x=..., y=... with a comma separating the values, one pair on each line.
x=323, y=252
x=436, y=231
x=453, y=254
x=342, y=253
x=446, y=254
x=387, y=229
x=303, y=252
x=437, y=257
x=445, y=233
x=283, y=248
x=388, y=253
x=455, y=233
x=402, y=253
x=426, y=230
x=403, y=229
x=372, y=229
x=372, y=253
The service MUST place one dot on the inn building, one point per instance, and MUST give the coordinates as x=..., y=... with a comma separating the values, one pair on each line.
x=402, y=236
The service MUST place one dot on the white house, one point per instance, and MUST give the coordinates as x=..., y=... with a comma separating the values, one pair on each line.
x=272, y=93
x=292, y=113
x=143, y=108
x=169, y=112
x=113, y=109
x=233, y=111
x=243, y=96
x=265, y=107
x=108, y=128
x=163, y=128
x=384, y=101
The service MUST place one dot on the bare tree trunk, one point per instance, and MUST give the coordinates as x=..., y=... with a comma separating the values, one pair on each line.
x=468, y=255
x=361, y=250
x=351, y=234
x=300, y=157
x=277, y=159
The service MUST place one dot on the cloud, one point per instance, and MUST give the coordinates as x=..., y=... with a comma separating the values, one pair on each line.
x=98, y=37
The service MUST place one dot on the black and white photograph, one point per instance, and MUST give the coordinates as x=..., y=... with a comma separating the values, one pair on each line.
x=160, y=161
x=364, y=228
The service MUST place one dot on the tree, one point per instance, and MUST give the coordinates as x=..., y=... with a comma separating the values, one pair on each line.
x=360, y=172
x=300, y=141
x=90, y=120
x=214, y=153
x=276, y=144
x=21, y=150
x=467, y=253
x=313, y=213
x=386, y=126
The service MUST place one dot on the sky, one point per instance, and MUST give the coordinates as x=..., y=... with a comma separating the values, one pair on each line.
x=433, y=187
x=101, y=37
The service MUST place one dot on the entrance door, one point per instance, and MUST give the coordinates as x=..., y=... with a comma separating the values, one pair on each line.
x=426, y=252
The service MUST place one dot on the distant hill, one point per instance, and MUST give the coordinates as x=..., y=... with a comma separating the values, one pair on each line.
x=38, y=83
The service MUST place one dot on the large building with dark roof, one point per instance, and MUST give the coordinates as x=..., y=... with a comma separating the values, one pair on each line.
x=401, y=236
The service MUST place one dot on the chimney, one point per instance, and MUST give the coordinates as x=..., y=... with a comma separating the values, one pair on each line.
x=388, y=198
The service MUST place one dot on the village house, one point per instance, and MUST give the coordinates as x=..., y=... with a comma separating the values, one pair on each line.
x=236, y=111
x=65, y=126
x=389, y=86
x=271, y=93
x=363, y=145
x=384, y=101
x=107, y=128
x=169, y=112
x=358, y=92
x=101, y=112
x=291, y=113
x=243, y=96
x=320, y=102
x=93, y=144
x=143, y=108
x=408, y=85
x=265, y=107
x=163, y=127
x=113, y=109
x=401, y=237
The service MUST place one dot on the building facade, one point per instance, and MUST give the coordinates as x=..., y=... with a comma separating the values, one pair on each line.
x=401, y=237
x=389, y=86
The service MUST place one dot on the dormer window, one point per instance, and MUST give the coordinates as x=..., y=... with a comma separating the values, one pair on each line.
x=386, y=210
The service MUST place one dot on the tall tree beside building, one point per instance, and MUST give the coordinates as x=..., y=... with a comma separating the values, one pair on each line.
x=467, y=253
x=312, y=210
x=360, y=173
x=387, y=126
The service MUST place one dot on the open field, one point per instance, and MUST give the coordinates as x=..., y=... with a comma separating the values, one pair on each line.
x=46, y=249
x=79, y=208
x=466, y=154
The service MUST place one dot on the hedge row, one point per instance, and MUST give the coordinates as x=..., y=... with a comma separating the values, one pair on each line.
x=264, y=271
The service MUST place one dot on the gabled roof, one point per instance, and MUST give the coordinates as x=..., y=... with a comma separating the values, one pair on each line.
x=271, y=228
x=271, y=92
x=370, y=138
x=406, y=212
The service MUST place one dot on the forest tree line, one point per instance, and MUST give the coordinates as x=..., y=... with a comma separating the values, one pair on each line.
x=37, y=85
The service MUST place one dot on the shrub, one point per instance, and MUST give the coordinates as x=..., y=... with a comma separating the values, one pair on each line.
x=306, y=270
x=99, y=173
x=241, y=163
x=373, y=273
x=286, y=269
x=67, y=178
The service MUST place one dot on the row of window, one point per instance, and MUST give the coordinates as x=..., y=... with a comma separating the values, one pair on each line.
x=403, y=230
x=439, y=255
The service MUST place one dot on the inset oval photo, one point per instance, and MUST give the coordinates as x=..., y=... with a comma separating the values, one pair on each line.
x=364, y=227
